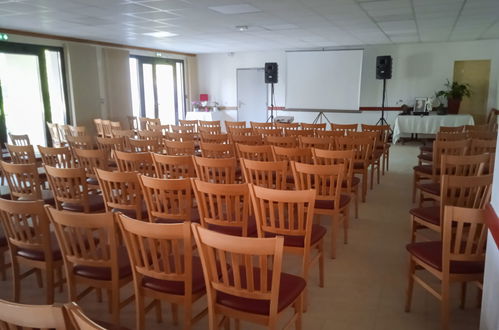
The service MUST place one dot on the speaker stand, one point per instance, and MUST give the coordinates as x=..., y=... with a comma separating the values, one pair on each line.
x=319, y=117
x=271, y=117
x=382, y=121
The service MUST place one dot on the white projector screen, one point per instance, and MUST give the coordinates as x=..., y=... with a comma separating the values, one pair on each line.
x=323, y=80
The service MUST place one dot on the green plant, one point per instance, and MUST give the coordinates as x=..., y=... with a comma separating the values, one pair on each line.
x=455, y=90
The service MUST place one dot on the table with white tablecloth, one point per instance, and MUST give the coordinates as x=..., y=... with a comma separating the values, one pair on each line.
x=427, y=124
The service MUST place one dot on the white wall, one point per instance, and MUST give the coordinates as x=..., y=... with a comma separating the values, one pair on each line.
x=418, y=70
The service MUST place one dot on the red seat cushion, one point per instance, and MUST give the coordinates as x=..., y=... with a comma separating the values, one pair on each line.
x=430, y=188
x=3, y=241
x=95, y=201
x=318, y=233
x=426, y=157
x=38, y=255
x=426, y=169
x=194, y=218
x=431, y=253
x=428, y=148
x=327, y=204
x=358, y=165
x=236, y=231
x=290, y=288
x=177, y=287
x=104, y=273
x=133, y=213
x=355, y=181
x=429, y=214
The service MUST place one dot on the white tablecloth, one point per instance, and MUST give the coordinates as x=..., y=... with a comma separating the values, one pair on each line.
x=427, y=124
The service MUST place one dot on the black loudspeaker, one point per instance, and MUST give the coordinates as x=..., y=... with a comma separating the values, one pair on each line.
x=384, y=67
x=271, y=73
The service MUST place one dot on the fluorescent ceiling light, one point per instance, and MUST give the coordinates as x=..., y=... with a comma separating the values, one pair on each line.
x=160, y=34
x=235, y=9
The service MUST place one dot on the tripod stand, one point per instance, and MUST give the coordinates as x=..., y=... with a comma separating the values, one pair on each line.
x=382, y=120
x=319, y=117
x=271, y=117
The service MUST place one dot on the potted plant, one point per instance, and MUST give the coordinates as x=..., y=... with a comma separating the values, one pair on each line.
x=454, y=94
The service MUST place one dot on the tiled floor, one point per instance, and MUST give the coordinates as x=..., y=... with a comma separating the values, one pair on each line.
x=365, y=285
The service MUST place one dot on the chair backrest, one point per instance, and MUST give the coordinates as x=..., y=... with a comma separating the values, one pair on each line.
x=123, y=134
x=318, y=126
x=216, y=170
x=329, y=134
x=121, y=190
x=302, y=155
x=140, y=162
x=247, y=139
x=181, y=136
x=458, y=148
x=483, y=135
x=362, y=146
x=254, y=152
x=167, y=199
x=145, y=145
x=464, y=236
x=383, y=132
x=298, y=132
x=451, y=129
x=223, y=205
x=19, y=140
x=240, y=131
x=109, y=144
x=116, y=125
x=185, y=122
x=282, y=141
x=180, y=148
x=255, y=124
x=479, y=146
x=86, y=239
x=263, y=132
x=55, y=136
x=163, y=129
x=106, y=128
x=250, y=261
x=214, y=138
x=217, y=150
x=183, y=129
x=57, y=157
x=269, y=204
x=150, y=134
x=315, y=142
x=78, y=319
x=82, y=131
x=81, y=142
x=148, y=123
x=325, y=179
x=19, y=316
x=230, y=125
x=289, y=126
x=92, y=159
x=26, y=226
x=159, y=251
x=209, y=123
x=344, y=127
x=22, y=154
x=334, y=157
x=210, y=130
x=173, y=167
x=64, y=132
x=271, y=174
x=23, y=180
x=69, y=185
x=451, y=136
x=464, y=165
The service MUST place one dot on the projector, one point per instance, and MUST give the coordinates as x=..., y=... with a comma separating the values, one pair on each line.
x=284, y=119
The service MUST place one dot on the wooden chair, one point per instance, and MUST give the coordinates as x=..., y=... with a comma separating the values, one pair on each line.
x=458, y=257
x=314, y=127
x=22, y=154
x=375, y=154
x=81, y=131
x=151, y=135
x=483, y=135
x=383, y=132
x=163, y=267
x=31, y=245
x=148, y=123
x=24, y=183
x=240, y=131
x=350, y=183
x=255, y=152
x=249, y=284
x=426, y=152
x=327, y=181
x=185, y=122
x=124, y=134
x=14, y=316
x=298, y=132
x=209, y=124
x=216, y=170
x=81, y=321
x=229, y=125
x=98, y=127
x=4, y=248
x=122, y=193
x=140, y=162
x=264, y=132
x=133, y=123
x=315, y=142
x=173, y=167
x=64, y=132
x=479, y=146
x=463, y=191
x=70, y=189
x=363, y=149
x=55, y=136
x=344, y=127
x=281, y=141
x=329, y=134
x=145, y=145
x=271, y=174
x=92, y=256
x=215, y=130
x=181, y=136
x=90, y=160
x=106, y=128
x=57, y=157
x=191, y=129
x=287, y=126
x=161, y=129
x=301, y=236
x=247, y=139
x=19, y=140
x=169, y=200
x=214, y=138
x=254, y=125
x=109, y=144
x=81, y=142
x=451, y=129
x=178, y=148
x=225, y=208
x=430, y=172
x=217, y=150
x=302, y=155
x=115, y=125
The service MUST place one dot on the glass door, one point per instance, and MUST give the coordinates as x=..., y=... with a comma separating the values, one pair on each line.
x=32, y=91
x=157, y=88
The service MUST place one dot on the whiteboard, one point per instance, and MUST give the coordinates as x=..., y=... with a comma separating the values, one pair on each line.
x=323, y=80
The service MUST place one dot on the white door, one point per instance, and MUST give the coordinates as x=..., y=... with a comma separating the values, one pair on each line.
x=251, y=95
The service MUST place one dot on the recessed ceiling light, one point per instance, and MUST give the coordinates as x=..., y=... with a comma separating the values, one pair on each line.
x=242, y=27
x=160, y=34
x=235, y=9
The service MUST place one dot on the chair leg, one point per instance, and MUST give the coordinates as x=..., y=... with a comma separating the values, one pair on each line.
x=372, y=175
x=387, y=159
x=17, y=281
x=364, y=186
x=377, y=170
x=410, y=285
x=320, y=248
x=3, y=266
x=414, y=182
x=414, y=227
x=174, y=308
x=187, y=316
x=334, y=232
x=445, y=305
x=212, y=318
x=98, y=293
x=159, y=314
x=463, y=294
x=298, y=311
x=383, y=158
x=139, y=310
x=356, y=197
x=346, y=223
x=39, y=279
x=49, y=285
x=115, y=303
